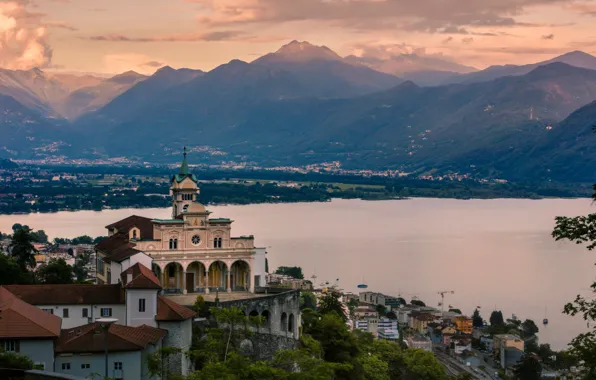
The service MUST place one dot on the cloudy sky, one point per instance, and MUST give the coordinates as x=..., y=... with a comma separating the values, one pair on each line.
x=111, y=36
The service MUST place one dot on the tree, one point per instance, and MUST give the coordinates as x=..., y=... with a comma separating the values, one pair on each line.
x=40, y=236
x=420, y=364
x=477, y=319
x=201, y=307
x=16, y=227
x=158, y=362
x=57, y=271
x=417, y=303
x=330, y=303
x=528, y=369
x=295, y=272
x=391, y=315
x=11, y=273
x=529, y=328
x=80, y=268
x=13, y=360
x=496, y=318
x=308, y=300
x=374, y=368
x=22, y=248
x=381, y=310
x=581, y=230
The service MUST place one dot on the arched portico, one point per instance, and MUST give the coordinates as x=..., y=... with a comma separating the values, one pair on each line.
x=240, y=276
x=196, y=277
x=217, y=276
x=172, y=278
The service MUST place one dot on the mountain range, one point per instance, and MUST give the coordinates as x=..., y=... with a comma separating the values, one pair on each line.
x=304, y=104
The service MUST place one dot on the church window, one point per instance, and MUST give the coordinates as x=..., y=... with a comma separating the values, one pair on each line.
x=134, y=234
x=173, y=243
x=217, y=242
x=196, y=240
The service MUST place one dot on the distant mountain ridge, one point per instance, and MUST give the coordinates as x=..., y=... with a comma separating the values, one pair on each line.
x=305, y=103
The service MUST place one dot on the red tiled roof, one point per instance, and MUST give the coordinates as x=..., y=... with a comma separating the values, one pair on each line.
x=142, y=278
x=91, y=338
x=71, y=294
x=19, y=319
x=112, y=243
x=122, y=254
x=143, y=224
x=168, y=310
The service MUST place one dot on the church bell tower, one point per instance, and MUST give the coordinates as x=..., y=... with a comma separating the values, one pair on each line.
x=184, y=189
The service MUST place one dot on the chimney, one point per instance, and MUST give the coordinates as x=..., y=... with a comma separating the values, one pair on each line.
x=128, y=278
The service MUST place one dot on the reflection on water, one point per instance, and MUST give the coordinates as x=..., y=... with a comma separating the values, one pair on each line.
x=492, y=253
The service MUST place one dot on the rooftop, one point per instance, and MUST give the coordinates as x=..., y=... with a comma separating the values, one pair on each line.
x=142, y=278
x=19, y=319
x=91, y=338
x=71, y=294
x=168, y=310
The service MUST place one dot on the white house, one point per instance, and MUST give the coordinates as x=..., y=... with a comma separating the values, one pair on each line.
x=80, y=350
x=27, y=330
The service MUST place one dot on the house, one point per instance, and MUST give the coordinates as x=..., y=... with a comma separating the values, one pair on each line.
x=81, y=350
x=487, y=340
x=448, y=333
x=388, y=334
x=510, y=356
x=365, y=312
x=506, y=341
x=27, y=330
x=419, y=321
x=134, y=302
x=76, y=305
x=464, y=324
x=461, y=343
x=420, y=342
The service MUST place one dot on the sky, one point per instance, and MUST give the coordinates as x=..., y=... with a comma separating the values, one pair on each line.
x=113, y=36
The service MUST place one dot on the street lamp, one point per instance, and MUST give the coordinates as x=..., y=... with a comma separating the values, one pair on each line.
x=105, y=324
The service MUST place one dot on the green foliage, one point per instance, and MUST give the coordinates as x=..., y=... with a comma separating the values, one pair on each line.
x=381, y=310
x=330, y=303
x=80, y=268
x=417, y=302
x=57, y=271
x=581, y=229
x=158, y=363
x=11, y=273
x=22, y=249
x=528, y=369
x=15, y=361
x=496, y=318
x=200, y=306
x=308, y=300
x=529, y=328
x=295, y=272
x=373, y=367
x=422, y=364
x=40, y=236
x=477, y=319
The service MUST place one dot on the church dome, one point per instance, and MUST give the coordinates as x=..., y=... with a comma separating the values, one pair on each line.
x=196, y=208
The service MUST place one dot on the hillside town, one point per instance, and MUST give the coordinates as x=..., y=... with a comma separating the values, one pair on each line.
x=152, y=289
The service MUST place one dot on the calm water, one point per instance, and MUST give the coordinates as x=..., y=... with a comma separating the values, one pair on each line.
x=492, y=253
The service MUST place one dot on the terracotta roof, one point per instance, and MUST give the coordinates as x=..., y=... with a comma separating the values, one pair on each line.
x=71, y=294
x=19, y=319
x=121, y=254
x=112, y=243
x=143, y=224
x=168, y=310
x=142, y=278
x=91, y=338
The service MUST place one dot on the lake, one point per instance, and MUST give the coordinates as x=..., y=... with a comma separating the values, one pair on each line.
x=496, y=254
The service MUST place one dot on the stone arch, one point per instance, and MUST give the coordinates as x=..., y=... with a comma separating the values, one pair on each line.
x=239, y=245
x=266, y=318
x=284, y=322
x=291, y=324
x=198, y=276
x=157, y=271
x=172, y=281
x=217, y=276
x=240, y=275
x=253, y=313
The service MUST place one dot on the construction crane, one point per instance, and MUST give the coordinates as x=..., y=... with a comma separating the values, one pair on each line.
x=443, y=298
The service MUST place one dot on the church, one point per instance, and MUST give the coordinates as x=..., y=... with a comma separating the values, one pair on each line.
x=189, y=253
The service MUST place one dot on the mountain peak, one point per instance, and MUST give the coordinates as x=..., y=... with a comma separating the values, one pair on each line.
x=301, y=51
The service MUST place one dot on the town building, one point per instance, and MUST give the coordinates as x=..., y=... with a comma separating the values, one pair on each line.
x=388, y=334
x=81, y=350
x=27, y=330
x=506, y=341
x=190, y=252
x=363, y=311
x=421, y=342
x=464, y=324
